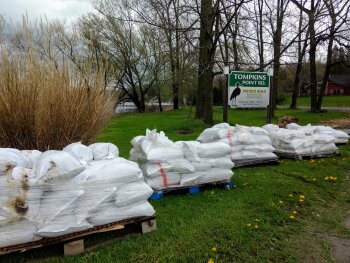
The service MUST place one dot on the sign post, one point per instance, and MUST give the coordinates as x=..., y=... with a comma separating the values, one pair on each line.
x=248, y=89
x=225, y=95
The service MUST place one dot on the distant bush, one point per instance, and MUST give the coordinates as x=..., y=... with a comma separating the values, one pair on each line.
x=43, y=106
x=281, y=98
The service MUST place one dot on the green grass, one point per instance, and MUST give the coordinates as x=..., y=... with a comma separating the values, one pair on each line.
x=190, y=226
x=328, y=101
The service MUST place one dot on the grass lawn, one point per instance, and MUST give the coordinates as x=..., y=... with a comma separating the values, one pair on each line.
x=251, y=223
x=328, y=101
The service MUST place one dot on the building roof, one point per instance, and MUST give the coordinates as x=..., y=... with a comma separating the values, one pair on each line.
x=340, y=79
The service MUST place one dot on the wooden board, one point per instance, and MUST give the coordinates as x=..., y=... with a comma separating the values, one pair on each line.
x=76, y=236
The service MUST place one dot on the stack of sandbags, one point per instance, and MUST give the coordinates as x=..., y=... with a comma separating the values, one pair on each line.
x=211, y=162
x=340, y=137
x=300, y=142
x=166, y=164
x=56, y=193
x=248, y=145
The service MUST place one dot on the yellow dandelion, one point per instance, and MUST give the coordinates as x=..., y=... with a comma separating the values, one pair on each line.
x=249, y=225
x=295, y=212
x=211, y=260
x=213, y=249
x=281, y=202
x=326, y=178
x=292, y=217
x=235, y=186
x=302, y=196
x=257, y=220
x=290, y=195
x=256, y=226
x=313, y=179
x=301, y=200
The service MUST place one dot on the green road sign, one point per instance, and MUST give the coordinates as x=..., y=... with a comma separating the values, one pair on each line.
x=248, y=89
x=249, y=79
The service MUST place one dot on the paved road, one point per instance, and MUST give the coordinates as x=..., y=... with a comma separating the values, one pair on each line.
x=346, y=109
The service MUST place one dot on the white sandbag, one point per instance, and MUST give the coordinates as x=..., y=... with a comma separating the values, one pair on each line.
x=252, y=130
x=215, y=175
x=167, y=180
x=294, y=144
x=223, y=163
x=80, y=151
x=18, y=232
x=202, y=165
x=323, y=148
x=104, y=151
x=209, y=135
x=190, y=179
x=259, y=148
x=132, y=193
x=176, y=166
x=10, y=156
x=223, y=125
x=63, y=225
x=213, y=150
x=93, y=198
x=112, y=174
x=190, y=149
x=52, y=164
x=162, y=154
x=113, y=214
x=32, y=155
x=54, y=204
x=271, y=128
x=115, y=160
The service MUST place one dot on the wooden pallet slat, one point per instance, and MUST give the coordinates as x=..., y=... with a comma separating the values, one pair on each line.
x=75, y=241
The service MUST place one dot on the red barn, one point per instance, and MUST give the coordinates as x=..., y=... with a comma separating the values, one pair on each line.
x=338, y=85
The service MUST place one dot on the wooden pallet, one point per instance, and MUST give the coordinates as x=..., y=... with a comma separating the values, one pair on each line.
x=191, y=190
x=74, y=243
x=296, y=156
x=255, y=162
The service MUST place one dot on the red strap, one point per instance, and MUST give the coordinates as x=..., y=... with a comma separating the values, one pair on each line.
x=163, y=174
x=229, y=138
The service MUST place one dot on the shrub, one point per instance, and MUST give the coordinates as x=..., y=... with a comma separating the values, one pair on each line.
x=43, y=106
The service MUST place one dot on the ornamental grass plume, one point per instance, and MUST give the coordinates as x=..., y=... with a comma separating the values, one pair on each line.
x=47, y=107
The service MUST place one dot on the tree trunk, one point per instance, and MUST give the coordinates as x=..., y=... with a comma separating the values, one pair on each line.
x=312, y=57
x=204, y=101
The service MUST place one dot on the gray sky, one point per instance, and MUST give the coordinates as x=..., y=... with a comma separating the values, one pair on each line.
x=67, y=10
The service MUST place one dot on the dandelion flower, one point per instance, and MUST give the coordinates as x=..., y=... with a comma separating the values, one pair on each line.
x=292, y=217
x=290, y=195
x=295, y=212
x=211, y=260
x=257, y=220
x=256, y=226
x=313, y=179
x=301, y=196
x=249, y=225
x=326, y=178
x=301, y=200
x=214, y=249
x=280, y=201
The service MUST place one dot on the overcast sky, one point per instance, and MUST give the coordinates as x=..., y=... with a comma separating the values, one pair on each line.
x=67, y=10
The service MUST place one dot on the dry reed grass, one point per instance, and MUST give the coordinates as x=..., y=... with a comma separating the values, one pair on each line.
x=45, y=107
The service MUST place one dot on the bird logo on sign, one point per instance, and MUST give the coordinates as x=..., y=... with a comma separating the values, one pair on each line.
x=235, y=93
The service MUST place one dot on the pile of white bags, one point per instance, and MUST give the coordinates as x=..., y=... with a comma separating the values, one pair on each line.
x=166, y=164
x=56, y=193
x=248, y=145
x=300, y=142
x=340, y=137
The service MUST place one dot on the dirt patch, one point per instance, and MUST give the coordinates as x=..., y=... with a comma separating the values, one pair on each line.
x=338, y=124
x=341, y=245
x=341, y=248
x=184, y=131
